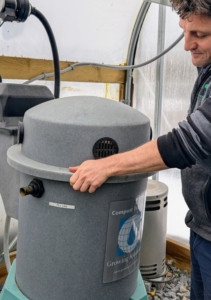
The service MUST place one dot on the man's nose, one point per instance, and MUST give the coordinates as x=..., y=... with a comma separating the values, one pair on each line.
x=190, y=42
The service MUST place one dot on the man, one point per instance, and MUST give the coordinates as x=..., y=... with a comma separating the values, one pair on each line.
x=187, y=148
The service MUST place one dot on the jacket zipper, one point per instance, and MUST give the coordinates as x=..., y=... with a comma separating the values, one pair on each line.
x=198, y=90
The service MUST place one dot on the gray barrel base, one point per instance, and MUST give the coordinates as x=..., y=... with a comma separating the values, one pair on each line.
x=12, y=292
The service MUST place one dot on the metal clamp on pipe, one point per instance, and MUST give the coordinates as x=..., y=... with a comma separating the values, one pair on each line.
x=35, y=189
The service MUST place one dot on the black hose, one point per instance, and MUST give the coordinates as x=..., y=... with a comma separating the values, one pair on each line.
x=45, y=23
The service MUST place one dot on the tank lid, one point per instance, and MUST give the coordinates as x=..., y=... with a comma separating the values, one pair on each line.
x=64, y=132
x=20, y=162
x=86, y=111
x=74, y=129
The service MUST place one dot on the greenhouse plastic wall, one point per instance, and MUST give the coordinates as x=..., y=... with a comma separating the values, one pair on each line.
x=85, y=30
x=178, y=79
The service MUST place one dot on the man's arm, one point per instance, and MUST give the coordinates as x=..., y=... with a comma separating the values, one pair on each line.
x=181, y=148
x=92, y=174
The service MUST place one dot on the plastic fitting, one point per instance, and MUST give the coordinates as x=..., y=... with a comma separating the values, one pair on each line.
x=35, y=189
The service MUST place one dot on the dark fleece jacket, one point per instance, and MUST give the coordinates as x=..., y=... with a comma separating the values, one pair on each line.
x=189, y=148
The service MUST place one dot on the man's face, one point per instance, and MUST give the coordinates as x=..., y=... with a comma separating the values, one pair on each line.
x=197, y=31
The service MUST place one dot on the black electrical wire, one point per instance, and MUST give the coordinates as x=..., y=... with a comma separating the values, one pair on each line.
x=73, y=66
x=49, y=31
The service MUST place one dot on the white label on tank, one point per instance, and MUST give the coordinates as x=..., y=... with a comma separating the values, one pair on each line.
x=59, y=205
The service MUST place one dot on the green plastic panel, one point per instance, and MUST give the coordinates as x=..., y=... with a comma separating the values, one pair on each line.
x=140, y=293
x=11, y=290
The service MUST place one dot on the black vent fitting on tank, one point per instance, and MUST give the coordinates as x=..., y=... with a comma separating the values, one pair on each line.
x=35, y=189
x=105, y=147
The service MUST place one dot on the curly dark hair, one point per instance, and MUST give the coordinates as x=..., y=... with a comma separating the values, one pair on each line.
x=185, y=8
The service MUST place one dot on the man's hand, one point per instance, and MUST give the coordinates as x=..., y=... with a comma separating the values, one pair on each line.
x=89, y=176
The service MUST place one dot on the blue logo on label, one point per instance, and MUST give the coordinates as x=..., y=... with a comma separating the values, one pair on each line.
x=129, y=234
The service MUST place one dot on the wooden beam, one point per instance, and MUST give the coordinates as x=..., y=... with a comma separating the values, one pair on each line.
x=27, y=68
x=121, y=91
x=178, y=253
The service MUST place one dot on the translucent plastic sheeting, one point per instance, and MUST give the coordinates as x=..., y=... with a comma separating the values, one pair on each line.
x=85, y=30
x=179, y=77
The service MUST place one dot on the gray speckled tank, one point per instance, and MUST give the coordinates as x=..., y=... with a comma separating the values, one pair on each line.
x=69, y=243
